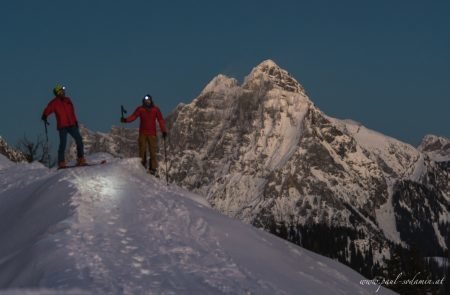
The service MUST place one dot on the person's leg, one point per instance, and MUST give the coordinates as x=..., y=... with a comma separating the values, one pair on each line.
x=75, y=133
x=153, y=143
x=142, y=148
x=62, y=146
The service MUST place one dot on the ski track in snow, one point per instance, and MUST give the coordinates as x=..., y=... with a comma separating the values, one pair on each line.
x=120, y=231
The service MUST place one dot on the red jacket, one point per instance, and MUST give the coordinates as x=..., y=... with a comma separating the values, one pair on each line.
x=64, y=111
x=148, y=118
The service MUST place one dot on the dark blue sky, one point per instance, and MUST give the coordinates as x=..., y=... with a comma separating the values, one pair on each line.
x=385, y=64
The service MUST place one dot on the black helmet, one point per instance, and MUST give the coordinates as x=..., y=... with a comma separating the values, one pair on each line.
x=147, y=100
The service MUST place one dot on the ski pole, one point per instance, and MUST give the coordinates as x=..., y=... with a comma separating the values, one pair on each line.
x=46, y=139
x=165, y=160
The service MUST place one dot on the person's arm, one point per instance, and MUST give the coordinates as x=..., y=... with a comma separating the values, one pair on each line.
x=47, y=111
x=162, y=124
x=133, y=116
x=72, y=110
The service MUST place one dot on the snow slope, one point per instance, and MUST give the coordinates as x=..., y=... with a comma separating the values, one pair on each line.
x=4, y=162
x=114, y=229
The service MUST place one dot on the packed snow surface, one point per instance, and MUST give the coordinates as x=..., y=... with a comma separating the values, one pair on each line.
x=4, y=162
x=114, y=229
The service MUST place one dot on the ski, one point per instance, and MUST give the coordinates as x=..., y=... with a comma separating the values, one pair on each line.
x=86, y=165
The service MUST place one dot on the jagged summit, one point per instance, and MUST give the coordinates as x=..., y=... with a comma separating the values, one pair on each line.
x=268, y=75
x=266, y=86
x=265, y=76
x=220, y=83
x=267, y=64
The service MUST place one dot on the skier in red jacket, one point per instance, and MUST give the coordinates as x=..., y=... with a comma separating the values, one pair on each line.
x=148, y=113
x=67, y=122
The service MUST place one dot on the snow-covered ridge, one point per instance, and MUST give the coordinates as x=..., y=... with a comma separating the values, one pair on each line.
x=113, y=229
x=403, y=160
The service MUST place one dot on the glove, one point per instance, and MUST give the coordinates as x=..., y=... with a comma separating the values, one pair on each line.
x=164, y=134
x=123, y=120
x=44, y=118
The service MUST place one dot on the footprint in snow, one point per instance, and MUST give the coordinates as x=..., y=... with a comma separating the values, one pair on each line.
x=121, y=232
x=138, y=258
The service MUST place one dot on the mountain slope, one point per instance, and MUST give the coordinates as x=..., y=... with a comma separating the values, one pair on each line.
x=113, y=229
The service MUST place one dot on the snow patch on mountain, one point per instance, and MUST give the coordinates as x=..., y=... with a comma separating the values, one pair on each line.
x=291, y=109
x=400, y=160
x=385, y=216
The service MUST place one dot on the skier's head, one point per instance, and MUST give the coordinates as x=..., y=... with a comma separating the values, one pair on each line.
x=59, y=90
x=147, y=100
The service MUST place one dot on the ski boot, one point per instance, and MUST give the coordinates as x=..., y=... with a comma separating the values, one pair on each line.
x=81, y=162
x=153, y=172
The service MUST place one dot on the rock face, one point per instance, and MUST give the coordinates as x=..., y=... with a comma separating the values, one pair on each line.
x=263, y=152
x=11, y=153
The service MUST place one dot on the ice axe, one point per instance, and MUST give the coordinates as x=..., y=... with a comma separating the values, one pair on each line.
x=123, y=110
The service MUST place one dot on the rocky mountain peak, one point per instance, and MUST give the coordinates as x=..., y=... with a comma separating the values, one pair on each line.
x=220, y=83
x=432, y=142
x=267, y=65
x=437, y=147
x=269, y=75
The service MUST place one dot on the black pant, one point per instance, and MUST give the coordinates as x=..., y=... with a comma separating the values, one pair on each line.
x=75, y=133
